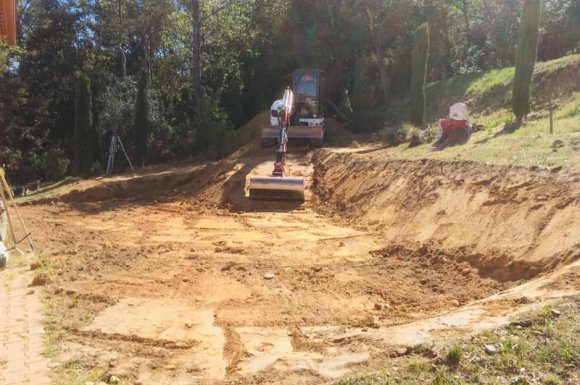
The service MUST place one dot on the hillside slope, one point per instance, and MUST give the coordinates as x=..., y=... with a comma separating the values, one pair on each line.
x=488, y=96
x=490, y=91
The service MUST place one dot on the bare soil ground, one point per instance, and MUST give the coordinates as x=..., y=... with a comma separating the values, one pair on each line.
x=159, y=278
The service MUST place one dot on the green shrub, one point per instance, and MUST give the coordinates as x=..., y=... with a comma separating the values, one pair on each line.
x=454, y=355
x=367, y=99
x=142, y=123
x=419, y=75
x=526, y=53
x=85, y=138
x=215, y=135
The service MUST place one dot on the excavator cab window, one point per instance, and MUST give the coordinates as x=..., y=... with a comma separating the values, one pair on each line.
x=306, y=95
x=306, y=84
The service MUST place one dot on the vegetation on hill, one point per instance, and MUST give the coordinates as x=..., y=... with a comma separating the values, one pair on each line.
x=488, y=96
x=84, y=141
x=419, y=75
x=526, y=52
x=239, y=63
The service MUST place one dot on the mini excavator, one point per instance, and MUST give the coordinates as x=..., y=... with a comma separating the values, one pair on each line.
x=298, y=115
x=278, y=186
x=307, y=117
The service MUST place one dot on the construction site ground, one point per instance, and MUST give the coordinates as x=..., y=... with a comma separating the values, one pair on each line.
x=173, y=276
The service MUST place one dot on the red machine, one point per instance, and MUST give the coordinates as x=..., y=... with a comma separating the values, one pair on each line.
x=455, y=130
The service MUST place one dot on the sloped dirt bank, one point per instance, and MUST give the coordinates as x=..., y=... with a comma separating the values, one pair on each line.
x=510, y=223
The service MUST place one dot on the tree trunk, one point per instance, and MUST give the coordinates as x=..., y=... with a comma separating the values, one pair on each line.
x=380, y=59
x=419, y=75
x=526, y=52
x=448, y=47
x=123, y=61
x=120, y=45
x=196, y=24
x=467, y=27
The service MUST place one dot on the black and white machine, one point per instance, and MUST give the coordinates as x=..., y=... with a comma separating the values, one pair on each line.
x=307, y=120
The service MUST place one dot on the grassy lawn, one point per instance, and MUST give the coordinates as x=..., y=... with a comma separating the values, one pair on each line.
x=540, y=348
x=488, y=95
x=530, y=145
x=50, y=190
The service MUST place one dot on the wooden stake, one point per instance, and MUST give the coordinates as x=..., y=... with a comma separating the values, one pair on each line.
x=5, y=184
x=551, y=115
x=5, y=203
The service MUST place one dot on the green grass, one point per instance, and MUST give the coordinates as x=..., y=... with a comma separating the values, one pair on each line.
x=528, y=146
x=541, y=348
x=552, y=66
x=454, y=355
x=48, y=191
x=490, y=80
x=490, y=91
x=17, y=260
x=75, y=372
x=72, y=373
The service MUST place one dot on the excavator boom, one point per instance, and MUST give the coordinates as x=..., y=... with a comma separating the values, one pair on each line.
x=277, y=186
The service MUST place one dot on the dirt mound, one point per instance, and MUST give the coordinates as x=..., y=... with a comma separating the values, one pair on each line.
x=511, y=223
x=250, y=132
x=205, y=183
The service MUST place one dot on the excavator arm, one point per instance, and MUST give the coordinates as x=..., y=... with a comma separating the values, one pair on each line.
x=278, y=186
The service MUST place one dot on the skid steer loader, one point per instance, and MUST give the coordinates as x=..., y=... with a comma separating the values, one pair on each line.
x=307, y=120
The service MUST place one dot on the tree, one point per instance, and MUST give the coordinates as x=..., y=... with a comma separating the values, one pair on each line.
x=196, y=45
x=419, y=75
x=141, y=125
x=83, y=129
x=526, y=53
x=380, y=53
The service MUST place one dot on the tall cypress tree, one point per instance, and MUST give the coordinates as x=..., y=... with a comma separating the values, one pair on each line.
x=526, y=53
x=141, y=126
x=83, y=130
x=419, y=75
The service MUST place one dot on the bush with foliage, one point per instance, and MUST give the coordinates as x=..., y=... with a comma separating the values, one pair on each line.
x=526, y=53
x=215, y=135
x=85, y=138
x=419, y=75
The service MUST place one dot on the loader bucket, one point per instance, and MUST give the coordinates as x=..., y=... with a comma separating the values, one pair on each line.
x=276, y=188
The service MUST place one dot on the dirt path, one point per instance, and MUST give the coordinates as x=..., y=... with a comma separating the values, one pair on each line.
x=21, y=330
x=166, y=275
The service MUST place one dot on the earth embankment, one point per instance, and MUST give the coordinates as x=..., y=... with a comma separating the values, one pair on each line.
x=511, y=223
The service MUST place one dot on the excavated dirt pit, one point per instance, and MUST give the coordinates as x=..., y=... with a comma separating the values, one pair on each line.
x=164, y=278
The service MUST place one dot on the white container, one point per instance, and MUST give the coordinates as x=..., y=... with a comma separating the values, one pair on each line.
x=458, y=111
x=3, y=255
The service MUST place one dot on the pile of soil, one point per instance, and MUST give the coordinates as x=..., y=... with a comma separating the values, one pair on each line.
x=511, y=223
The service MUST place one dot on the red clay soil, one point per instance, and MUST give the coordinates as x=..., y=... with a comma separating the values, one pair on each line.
x=161, y=277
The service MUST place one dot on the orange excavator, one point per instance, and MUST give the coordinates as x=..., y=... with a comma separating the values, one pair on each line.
x=8, y=22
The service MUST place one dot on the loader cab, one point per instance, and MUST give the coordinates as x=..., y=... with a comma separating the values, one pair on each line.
x=307, y=106
x=307, y=119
